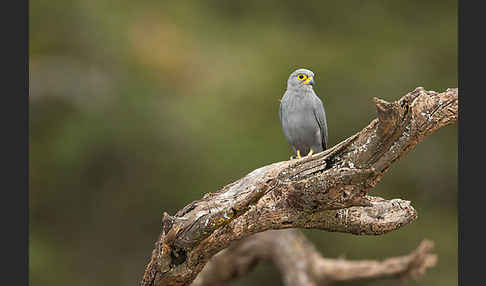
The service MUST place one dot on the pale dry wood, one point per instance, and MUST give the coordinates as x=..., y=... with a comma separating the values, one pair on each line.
x=326, y=191
x=300, y=264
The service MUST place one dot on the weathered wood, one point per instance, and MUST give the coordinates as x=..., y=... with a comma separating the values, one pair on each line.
x=300, y=264
x=328, y=191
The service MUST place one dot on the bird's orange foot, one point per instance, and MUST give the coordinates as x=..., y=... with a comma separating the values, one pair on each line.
x=298, y=154
x=310, y=152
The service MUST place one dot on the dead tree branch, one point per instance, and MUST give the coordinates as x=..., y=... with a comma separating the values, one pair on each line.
x=300, y=264
x=326, y=191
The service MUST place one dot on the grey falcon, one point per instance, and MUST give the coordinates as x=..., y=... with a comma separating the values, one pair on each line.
x=302, y=115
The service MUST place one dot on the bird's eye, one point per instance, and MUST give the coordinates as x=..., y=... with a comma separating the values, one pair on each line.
x=302, y=76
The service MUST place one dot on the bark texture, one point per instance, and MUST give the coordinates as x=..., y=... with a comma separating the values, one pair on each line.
x=327, y=191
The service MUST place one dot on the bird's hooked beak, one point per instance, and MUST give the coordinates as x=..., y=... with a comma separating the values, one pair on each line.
x=309, y=81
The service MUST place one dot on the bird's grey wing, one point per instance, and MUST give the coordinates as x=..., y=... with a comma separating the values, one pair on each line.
x=320, y=115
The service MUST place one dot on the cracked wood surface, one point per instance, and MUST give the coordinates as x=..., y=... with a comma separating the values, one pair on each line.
x=328, y=191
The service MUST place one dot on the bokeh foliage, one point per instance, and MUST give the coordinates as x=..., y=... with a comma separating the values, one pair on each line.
x=140, y=107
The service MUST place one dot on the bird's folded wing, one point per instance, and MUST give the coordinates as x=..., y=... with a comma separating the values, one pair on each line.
x=320, y=115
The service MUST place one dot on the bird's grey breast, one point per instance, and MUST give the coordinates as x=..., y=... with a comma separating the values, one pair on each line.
x=297, y=117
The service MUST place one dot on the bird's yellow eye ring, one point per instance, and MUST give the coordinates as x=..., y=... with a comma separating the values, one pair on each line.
x=302, y=77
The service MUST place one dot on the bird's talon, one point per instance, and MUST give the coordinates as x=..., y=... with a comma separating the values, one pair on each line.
x=310, y=152
x=298, y=154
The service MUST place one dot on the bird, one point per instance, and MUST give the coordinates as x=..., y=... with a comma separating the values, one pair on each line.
x=302, y=115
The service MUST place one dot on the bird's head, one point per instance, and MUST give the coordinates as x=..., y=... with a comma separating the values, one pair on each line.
x=301, y=79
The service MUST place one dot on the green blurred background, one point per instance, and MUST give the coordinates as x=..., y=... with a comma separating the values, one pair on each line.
x=140, y=107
